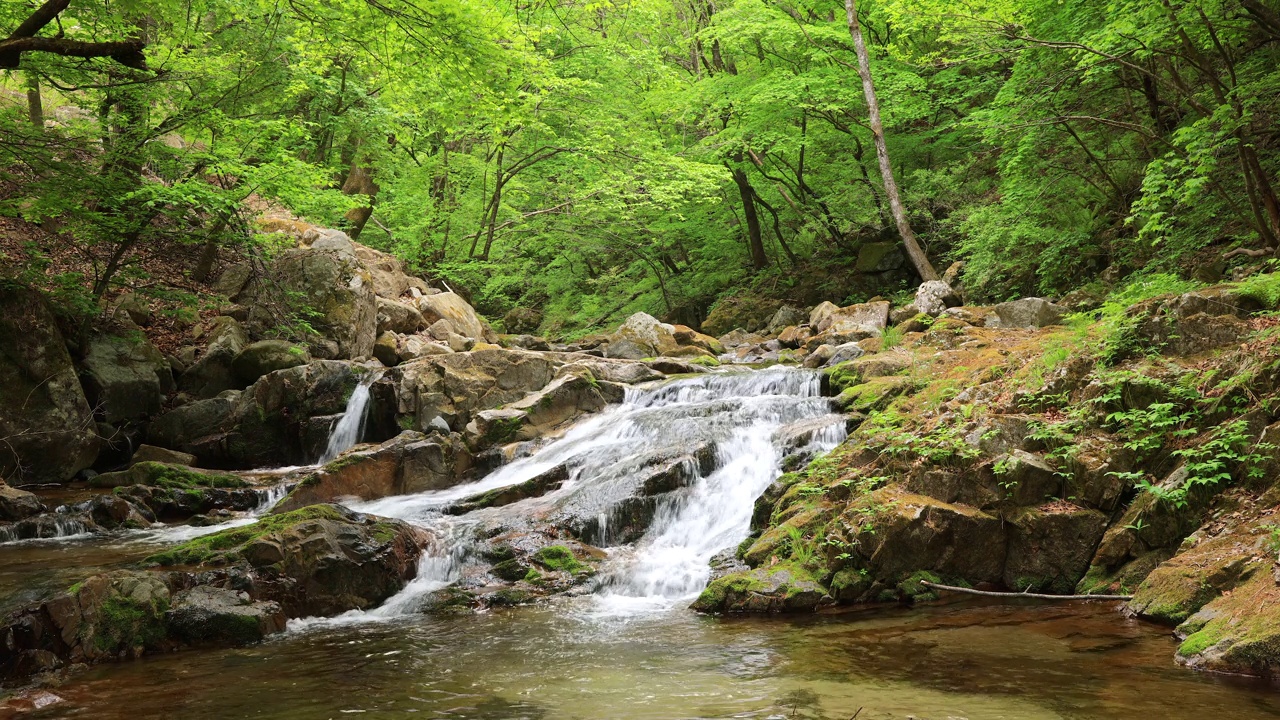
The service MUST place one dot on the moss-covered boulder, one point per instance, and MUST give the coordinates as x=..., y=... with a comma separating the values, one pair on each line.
x=124, y=376
x=166, y=475
x=780, y=589
x=47, y=423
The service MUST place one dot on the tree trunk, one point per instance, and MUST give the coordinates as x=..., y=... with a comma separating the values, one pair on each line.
x=759, y=260
x=918, y=259
x=35, y=106
x=359, y=182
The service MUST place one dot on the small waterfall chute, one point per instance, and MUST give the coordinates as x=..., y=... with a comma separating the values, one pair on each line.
x=350, y=427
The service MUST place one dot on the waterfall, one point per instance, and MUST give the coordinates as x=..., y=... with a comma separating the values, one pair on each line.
x=748, y=422
x=351, y=425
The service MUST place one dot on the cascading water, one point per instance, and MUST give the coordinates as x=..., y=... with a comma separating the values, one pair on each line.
x=346, y=433
x=748, y=421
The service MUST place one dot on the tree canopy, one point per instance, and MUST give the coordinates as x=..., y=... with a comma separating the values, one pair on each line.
x=591, y=159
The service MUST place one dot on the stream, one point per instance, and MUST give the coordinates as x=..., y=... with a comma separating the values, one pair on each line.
x=628, y=646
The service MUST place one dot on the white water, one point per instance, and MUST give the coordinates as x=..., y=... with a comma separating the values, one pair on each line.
x=350, y=426
x=740, y=414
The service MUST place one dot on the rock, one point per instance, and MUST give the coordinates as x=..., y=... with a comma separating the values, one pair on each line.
x=671, y=366
x=688, y=337
x=1049, y=550
x=334, y=241
x=751, y=312
x=416, y=346
x=233, y=280
x=878, y=257
x=856, y=322
x=951, y=275
x=842, y=353
x=785, y=316
x=536, y=486
x=739, y=337
x=459, y=343
x=1027, y=313
x=124, y=377
x=461, y=316
x=524, y=342
x=387, y=274
x=522, y=320
x=328, y=281
x=457, y=385
x=794, y=336
x=318, y=561
x=133, y=308
x=563, y=400
x=821, y=355
x=387, y=349
x=221, y=617
x=18, y=504
x=46, y=421
x=411, y=462
x=897, y=316
x=182, y=427
x=933, y=297
x=763, y=590
x=398, y=317
x=441, y=329
x=211, y=372
x=151, y=453
x=612, y=371
x=642, y=336
x=1028, y=479
x=267, y=356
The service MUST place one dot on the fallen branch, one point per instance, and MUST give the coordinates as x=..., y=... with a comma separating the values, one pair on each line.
x=1249, y=253
x=1038, y=596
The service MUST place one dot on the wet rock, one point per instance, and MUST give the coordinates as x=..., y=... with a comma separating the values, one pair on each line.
x=843, y=353
x=561, y=401
x=18, y=504
x=267, y=356
x=221, y=617
x=780, y=589
x=1026, y=313
x=1050, y=548
x=411, y=462
x=672, y=366
x=47, y=422
x=536, y=486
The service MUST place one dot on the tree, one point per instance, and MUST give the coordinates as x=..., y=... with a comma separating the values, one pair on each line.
x=918, y=258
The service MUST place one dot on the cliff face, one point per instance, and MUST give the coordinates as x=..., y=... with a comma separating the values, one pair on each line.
x=1131, y=451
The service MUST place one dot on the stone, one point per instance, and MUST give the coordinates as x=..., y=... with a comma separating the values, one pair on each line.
x=124, y=377
x=221, y=617
x=151, y=453
x=688, y=337
x=841, y=353
x=461, y=316
x=211, y=372
x=1027, y=478
x=762, y=591
x=794, y=336
x=416, y=346
x=821, y=355
x=328, y=283
x=933, y=297
x=522, y=320
x=398, y=317
x=387, y=349
x=1027, y=313
x=878, y=257
x=233, y=280
x=334, y=241
x=267, y=356
x=561, y=401
x=387, y=273
x=182, y=427
x=441, y=330
x=134, y=309
x=18, y=504
x=47, y=422
x=785, y=316
x=1049, y=549
x=642, y=336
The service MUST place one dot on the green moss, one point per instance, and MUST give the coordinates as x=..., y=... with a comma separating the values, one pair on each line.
x=174, y=477
x=713, y=598
x=704, y=360
x=1200, y=641
x=343, y=462
x=843, y=376
x=124, y=623
x=510, y=597
x=504, y=430
x=223, y=546
x=911, y=588
x=385, y=532
x=532, y=576
x=557, y=557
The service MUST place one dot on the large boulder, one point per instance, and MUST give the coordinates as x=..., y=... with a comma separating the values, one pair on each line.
x=328, y=285
x=409, y=463
x=455, y=386
x=266, y=356
x=1026, y=313
x=211, y=373
x=47, y=423
x=18, y=504
x=641, y=336
x=786, y=316
x=770, y=590
x=398, y=317
x=934, y=297
x=452, y=307
x=124, y=377
x=215, y=616
x=387, y=273
x=563, y=400
x=522, y=320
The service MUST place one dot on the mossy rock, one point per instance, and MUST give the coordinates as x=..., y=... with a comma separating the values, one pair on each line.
x=558, y=557
x=225, y=546
x=165, y=475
